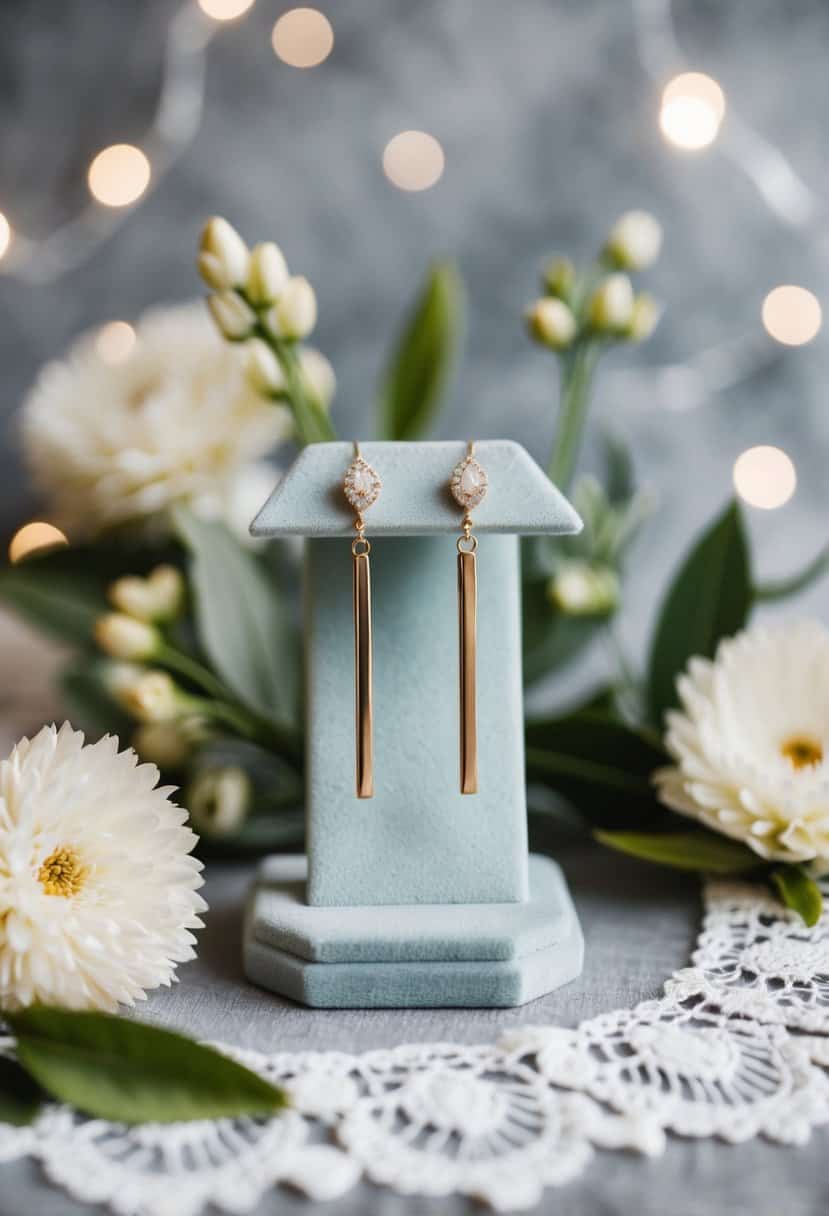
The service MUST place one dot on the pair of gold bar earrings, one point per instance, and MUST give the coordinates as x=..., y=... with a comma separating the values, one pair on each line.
x=362, y=486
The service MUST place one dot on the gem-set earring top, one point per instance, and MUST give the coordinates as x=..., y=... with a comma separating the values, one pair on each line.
x=362, y=488
x=469, y=485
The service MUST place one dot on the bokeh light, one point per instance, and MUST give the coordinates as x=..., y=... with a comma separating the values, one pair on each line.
x=792, y=315
x=225, y=10
x=114, y=342
x=303, y=37
x=119, y=175
x=413, y=160
x=5, y=234
x=764, y=477
x=693, y=107
x=35, y=538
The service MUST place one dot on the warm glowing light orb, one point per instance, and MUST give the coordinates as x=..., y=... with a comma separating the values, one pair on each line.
x=225, y=10
x=114, y=342
x=792, y=315
x=413, y=160
x=119, y=175
x=35, y=538
x=764, y=477
x=693, y=107
x=5, y=234
x=303, y=37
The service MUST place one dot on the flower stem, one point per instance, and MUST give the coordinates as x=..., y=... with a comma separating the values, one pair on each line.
x=576, y=376
x=184, y=665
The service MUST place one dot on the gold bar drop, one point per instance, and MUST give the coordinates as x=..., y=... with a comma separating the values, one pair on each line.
x=467, y=612
x=363, y=675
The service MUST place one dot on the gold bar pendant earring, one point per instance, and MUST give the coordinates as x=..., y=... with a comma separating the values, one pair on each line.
x=468, y=486
x=362, y=488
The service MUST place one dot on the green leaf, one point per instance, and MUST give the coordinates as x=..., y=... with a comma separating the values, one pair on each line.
x=62, y=604
x=619, y=476
x=89, y=703
x=20, y=1096
x=421, y=365
x=550, y=640
x=709, y=599
x=241, y=621
x=684, y=850
x=600, y=765
x=799, y=892
x=781, y=589
x=114, y=1068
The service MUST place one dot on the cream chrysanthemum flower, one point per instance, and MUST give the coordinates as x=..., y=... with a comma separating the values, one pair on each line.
x=176, y=421
x=751, y=743
x=98, y=891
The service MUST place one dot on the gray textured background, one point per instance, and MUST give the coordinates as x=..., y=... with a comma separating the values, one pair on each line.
x=548, y=120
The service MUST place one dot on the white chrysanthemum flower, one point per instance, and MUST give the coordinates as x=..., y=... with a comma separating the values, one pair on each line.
x=174, y=422
x=98, y=891
x=751, y=743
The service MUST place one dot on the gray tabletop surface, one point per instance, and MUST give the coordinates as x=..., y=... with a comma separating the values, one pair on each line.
x=639, y=923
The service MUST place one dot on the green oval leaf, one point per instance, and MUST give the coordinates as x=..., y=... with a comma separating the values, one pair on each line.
x=422, y=363
x=600, y=765
x=20, y=1096
x=241, y=621
x=684, y=850
x=709, y=599
x=799, y=892
x=113, y=1068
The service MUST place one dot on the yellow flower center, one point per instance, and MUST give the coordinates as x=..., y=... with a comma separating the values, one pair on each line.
x=802, y=751
x=63, y=872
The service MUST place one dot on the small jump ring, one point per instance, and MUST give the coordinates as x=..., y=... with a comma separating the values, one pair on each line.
x=467, y=544
x=360, y=547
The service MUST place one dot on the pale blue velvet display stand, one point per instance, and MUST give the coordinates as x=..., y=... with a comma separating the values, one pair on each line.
x=419, y=895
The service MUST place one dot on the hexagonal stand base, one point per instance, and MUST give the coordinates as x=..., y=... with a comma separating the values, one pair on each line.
x=412, y=956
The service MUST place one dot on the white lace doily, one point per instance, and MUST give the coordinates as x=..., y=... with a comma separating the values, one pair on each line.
x=734, y=1049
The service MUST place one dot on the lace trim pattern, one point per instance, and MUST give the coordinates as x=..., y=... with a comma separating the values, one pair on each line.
x=736, y=1048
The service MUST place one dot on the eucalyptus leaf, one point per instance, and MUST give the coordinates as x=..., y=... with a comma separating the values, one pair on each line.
x=799, y=892
x=241, y=621
x=20, y=1096
x=424, y=357
x=702, y=851
x=600, y=765
x=781, y=589
x=117, y=1069
x=710, y=598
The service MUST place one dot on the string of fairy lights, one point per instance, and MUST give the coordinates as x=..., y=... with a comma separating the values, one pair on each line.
x=693, y=116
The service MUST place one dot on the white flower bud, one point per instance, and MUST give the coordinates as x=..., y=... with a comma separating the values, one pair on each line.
x=156, y=598
x=223, y=255
x=579, y=589
x=234, y=318
x=119, y=676
x=123, y=637
x=153, y=698
x=294, y=314
x=559, y=277
x=634, y=241
x=268, y=273
x=611, y=306
x=551, y=321
x=219, y=800
x=318, y=375
x=162, y=744
x=262, y=369
x=645, y=317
